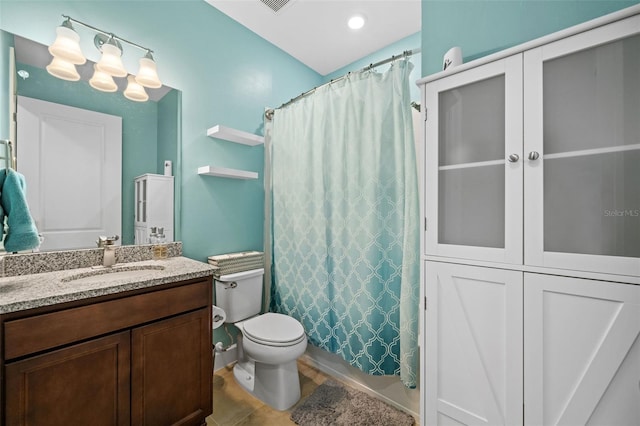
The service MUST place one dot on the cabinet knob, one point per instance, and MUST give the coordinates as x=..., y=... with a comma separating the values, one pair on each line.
x=533, y=155
x=513, y=158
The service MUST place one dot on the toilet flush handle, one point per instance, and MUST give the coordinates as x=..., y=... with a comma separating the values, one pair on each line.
x=231, y=284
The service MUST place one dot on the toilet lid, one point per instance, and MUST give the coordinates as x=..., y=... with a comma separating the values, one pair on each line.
x=273, y=328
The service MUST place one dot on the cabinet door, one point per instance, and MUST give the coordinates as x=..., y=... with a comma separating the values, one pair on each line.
x=160, y=201
x=141, y=200
x=138, y=201
x=582, y=110
x=473, y=345
x=473, y=191
x=84, y=384
x=582, y=352
x=154, y=201
x=141, y=235
x=172, y=371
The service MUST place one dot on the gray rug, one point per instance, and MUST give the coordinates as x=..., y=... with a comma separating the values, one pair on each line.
x=333, y=404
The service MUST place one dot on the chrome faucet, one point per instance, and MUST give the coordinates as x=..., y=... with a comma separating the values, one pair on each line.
x=109, y=258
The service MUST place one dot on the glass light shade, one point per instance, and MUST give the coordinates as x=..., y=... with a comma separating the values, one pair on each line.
x=102, y=81
x=63, y=69
x=135, y=91
x=148, y=74
x=66, y=46
x=111, y=61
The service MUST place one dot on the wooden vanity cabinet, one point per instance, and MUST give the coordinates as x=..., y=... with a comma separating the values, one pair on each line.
x=172, y=370
x=143, y=358
x=87, y=383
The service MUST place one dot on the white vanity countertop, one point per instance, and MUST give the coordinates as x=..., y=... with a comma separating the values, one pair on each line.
x=24, y=292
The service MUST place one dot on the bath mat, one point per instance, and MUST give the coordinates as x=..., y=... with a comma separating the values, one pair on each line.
x=334, y=404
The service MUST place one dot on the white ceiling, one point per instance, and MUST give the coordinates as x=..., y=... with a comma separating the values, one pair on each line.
x=315, y=31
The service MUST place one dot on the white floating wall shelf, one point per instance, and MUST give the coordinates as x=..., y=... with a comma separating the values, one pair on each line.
x=227, y=173
x=233, y=135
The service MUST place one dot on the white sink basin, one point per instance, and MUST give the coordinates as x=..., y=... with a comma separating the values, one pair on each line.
x=118, y=273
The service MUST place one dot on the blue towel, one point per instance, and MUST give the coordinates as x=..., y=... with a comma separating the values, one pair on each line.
x=21, y=231
x=3, y=173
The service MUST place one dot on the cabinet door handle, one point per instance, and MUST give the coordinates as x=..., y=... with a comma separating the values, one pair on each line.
x=513, y=158
x=533, y=155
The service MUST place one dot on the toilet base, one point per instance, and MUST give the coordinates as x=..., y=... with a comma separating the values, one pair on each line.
x=243, y=372
x=276, y=385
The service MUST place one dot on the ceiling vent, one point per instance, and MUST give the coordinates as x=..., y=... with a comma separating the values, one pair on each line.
x=276, y=5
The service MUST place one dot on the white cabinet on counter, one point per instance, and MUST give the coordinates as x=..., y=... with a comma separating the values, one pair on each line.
x=531, y=245
x=154, y=206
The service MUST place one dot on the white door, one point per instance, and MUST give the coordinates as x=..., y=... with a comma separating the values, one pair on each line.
x=473, y=345
x=582, y=352
x=71, y=160
x=582, y=109
x=474, y=163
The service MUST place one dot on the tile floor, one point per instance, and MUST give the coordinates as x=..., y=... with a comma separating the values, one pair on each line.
x=232, y=406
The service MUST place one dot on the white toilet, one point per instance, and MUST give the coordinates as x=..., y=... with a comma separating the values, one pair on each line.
x=269, y=344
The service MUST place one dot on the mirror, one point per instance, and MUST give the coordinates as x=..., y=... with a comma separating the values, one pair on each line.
x=150, y=130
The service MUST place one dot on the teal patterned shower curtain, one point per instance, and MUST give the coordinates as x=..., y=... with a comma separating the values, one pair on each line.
x=345, y=237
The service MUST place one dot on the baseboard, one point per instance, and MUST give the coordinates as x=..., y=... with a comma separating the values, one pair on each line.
x=222, y=359
x=386, y=388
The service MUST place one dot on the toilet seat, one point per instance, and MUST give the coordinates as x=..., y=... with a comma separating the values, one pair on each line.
x=273, y=330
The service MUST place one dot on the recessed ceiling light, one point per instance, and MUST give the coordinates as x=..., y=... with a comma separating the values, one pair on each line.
x=356, y=22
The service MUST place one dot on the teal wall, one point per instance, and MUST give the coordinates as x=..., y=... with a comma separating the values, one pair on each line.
x=227, y=75
x=169, y=119
x=482, y=27
x=139, y=127
x=411, y=42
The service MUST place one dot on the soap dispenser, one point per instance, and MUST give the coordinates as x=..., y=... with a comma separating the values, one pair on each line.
x=153, y=237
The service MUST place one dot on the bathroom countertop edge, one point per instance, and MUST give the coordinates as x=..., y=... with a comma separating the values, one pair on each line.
x=25, y=292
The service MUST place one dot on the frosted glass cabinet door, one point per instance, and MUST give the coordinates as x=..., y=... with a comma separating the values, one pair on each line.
x=473, y=163
x=582, y=143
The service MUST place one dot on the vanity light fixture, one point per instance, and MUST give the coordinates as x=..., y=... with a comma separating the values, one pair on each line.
x=67, y=44
x=67, y=53
x=147, y=73
x=102, y=81
x=135, y=91
x=63, y=69
x=111, y=60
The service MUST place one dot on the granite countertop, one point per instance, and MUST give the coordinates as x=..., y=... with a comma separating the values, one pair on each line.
x=24, y=292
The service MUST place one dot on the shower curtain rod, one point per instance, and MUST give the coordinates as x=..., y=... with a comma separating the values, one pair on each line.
x=269, y=113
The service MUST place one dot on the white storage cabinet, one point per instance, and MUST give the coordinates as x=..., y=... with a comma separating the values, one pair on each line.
x=154, y=206
x=531, y=246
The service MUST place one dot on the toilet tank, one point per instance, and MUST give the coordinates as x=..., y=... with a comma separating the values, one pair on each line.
x=240, y=294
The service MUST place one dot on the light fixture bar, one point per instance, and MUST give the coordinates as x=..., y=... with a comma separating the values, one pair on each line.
x=75, y=21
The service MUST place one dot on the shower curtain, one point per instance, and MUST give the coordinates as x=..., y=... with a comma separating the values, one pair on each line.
x=344, y=220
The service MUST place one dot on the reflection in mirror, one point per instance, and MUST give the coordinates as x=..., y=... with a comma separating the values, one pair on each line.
x=149, y=136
